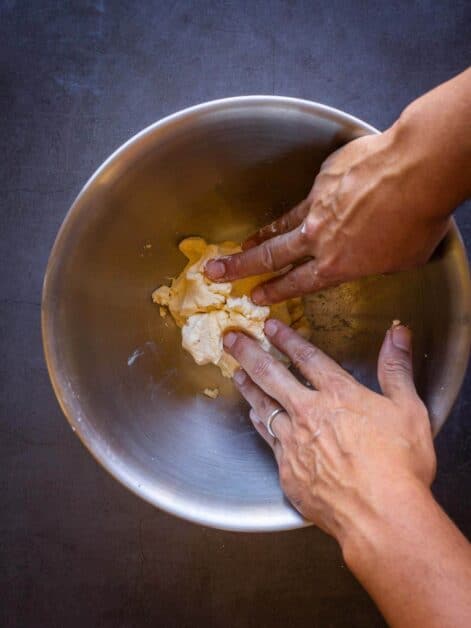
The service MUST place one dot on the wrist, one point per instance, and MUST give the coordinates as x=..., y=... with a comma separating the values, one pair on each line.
x=426, y=188
x=431, y=143
x=411, y=559
x=373, y=531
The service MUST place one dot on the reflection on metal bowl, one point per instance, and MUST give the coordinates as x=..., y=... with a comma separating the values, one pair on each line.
x=129, y=391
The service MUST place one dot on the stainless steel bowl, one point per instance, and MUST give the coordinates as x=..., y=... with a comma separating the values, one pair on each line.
x=129, y=391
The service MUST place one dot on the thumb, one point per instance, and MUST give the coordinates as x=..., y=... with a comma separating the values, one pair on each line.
x=395, y=364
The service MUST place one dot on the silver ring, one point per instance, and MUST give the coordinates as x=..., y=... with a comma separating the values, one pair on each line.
x=270, y=420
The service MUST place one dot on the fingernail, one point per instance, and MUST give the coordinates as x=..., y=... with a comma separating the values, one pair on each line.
x=215, y=269
x=258, y=295
x=229, y=339
x=254, y=417
x=401, y=336
x=271, y=327
x=240, y=376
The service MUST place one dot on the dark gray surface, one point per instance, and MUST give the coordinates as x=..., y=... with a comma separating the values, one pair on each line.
x=77, y=79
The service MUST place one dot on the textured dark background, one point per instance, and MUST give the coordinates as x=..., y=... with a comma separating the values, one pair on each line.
x=77, y=79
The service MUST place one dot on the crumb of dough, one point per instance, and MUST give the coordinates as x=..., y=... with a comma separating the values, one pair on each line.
x=162, y=312
x=204, y=310
x=212, y=393
x=396, y=322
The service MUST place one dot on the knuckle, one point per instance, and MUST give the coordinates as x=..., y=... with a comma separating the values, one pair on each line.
x=308, y=229
x=309, y=280
x=303, y=354
x=244, y=386
x=325, y=269
x=264, y=407
x=341, y=382
x=235, y=264
x=261, y=367
x=289, y=284
x=282, y=224
x=283, y=334
x=266, y=256
x=396, y=364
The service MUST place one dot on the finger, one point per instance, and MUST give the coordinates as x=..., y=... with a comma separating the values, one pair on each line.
x=269, y=256
x=262, y=405
x=316, y=366
x=267, y=372
x=395, y=364
x=262, y=430
x=287, y=222
x=303, y=279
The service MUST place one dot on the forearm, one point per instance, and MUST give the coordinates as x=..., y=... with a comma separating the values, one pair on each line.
x=413, y=561
x=432, y=139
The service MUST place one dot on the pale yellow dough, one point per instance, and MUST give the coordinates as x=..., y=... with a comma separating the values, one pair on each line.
x=205, y=309
x=212, y=393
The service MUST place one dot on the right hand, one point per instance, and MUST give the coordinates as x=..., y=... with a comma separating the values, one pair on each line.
x=371, y=210
x=340, y=447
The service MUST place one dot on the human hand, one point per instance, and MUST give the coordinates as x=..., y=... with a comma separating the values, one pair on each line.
x=371, y=210
x=357, y=463
x=341, y=447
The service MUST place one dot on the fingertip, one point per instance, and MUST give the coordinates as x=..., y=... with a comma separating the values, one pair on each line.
x=271, y=292
x=401, y=337
x=271, y=326
x=215, y=269
x=395, y=370
x=259, y=296
x=387, y=339
x=240, y=377
x=229, y=339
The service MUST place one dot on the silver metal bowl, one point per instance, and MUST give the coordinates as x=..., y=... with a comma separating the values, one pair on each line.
x=129, y=391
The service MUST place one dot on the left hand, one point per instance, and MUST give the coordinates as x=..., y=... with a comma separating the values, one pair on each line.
x=341, y=448
x=371, y=210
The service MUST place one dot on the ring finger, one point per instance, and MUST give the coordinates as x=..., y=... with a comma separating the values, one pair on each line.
x=263, y=406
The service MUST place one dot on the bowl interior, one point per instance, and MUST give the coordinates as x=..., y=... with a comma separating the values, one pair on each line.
x=130, y=391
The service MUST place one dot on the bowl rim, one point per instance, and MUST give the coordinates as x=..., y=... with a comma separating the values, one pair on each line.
x=180, y=507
